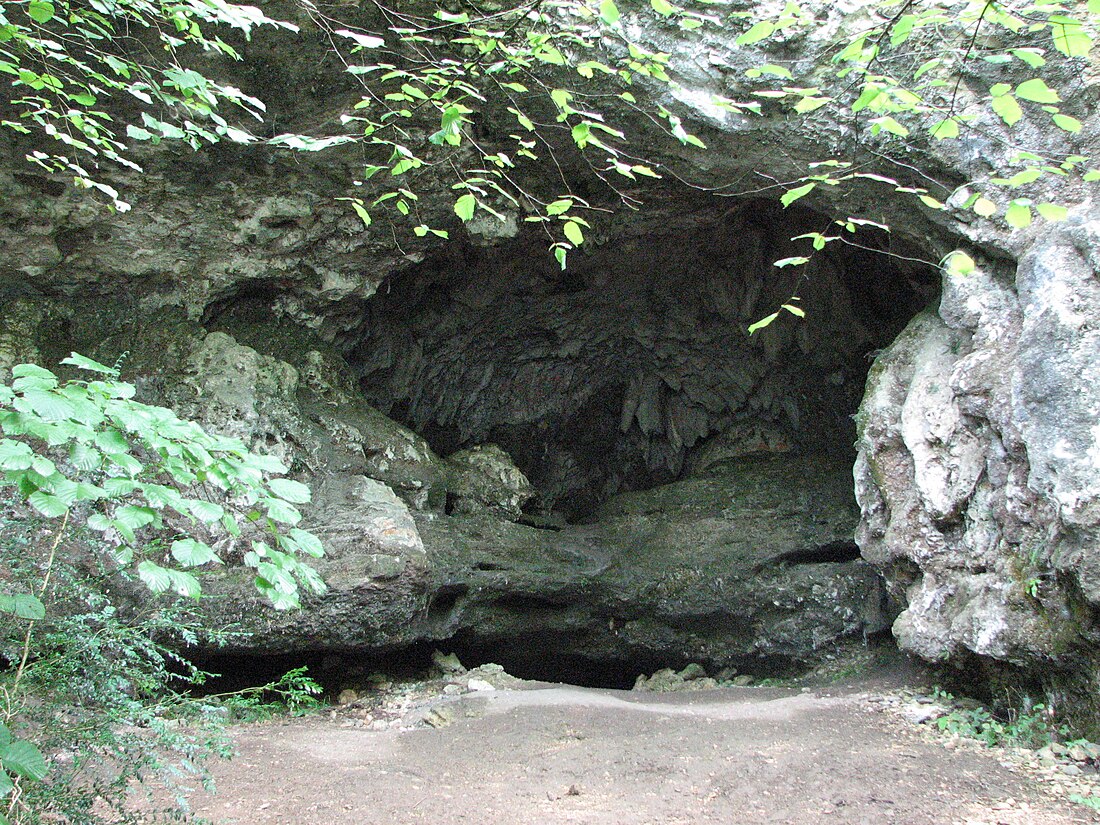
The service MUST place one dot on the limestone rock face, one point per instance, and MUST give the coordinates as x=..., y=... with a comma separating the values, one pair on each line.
x=978, y=473
x=485, y=477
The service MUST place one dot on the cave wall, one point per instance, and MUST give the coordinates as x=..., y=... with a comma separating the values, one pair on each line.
x=979, y=472
x=711, y=467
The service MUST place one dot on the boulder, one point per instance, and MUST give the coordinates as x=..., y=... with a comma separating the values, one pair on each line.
x=485, y=477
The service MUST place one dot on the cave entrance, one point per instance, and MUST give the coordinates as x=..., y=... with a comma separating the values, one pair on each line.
x=697, y=479
x=634, y=368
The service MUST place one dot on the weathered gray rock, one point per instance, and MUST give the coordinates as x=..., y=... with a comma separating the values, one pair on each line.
x=979, y=466
x=484, y=477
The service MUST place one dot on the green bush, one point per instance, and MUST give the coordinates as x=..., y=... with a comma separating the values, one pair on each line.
x=104, y=496
x=1030, y=726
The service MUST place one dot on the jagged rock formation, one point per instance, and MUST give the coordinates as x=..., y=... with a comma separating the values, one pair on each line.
x=979, y=471
x=633, y=365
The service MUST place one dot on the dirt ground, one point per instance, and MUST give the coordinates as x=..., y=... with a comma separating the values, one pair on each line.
x=549, y=754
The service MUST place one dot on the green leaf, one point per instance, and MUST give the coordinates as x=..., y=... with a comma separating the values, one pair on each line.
x=662, y=7
x=23, y=606
x=307, y=542
x=362, y=212
x=763, y=322
x=85, y=457
x=984, y=207
x=888, y=124
x=161, y=495
x=1018, y=215
x=184, y=584
x=1052, y=211
x=926, y=67
x=112, y=441
x=279, y=600
x=1008, y=109
x=156, y=578
x=205, y=511
x=465, y=206
x=365, y=41
x=33, y=371
x=867, y=97
x=609, y=12
x=1037, y=91
x=795, y=310
x=48, y=505
x=810, y=103
x=1023, y=177
x=792, y=195
x=756, y=33
x=573, y=232
x=282, y=512
x=798, y=260
x=15, y=455
x=958, y=263
x=1032, y=57
x=135, y=517
x=24, y=759
x=1070, y=37
x=289, y=490
x=1067, y=123
x=40, y=11
x=192, y=553
x=48, y=405
x=902, y=29
x=77, y=360
x=769, y=69
x=945, y=129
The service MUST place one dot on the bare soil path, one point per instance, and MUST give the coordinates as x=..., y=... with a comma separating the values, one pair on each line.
x=548, y=754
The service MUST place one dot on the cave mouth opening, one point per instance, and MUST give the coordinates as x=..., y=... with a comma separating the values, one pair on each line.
x=634, y=367
x=522, y=657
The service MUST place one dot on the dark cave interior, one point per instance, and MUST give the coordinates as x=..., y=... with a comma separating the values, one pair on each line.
x=634, y=366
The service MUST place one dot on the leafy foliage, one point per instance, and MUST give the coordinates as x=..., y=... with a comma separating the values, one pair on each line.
x=551, y=66
x=65, y=60
x=104, y=694
x=136, y=469
x=907, y=72
x=151, y=490
x=918, y=69
x=294, y=692
x=1031, y=726
x=913, y=73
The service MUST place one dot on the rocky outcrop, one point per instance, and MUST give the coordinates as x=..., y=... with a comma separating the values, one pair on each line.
x=978, y=474
x=752, y=567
